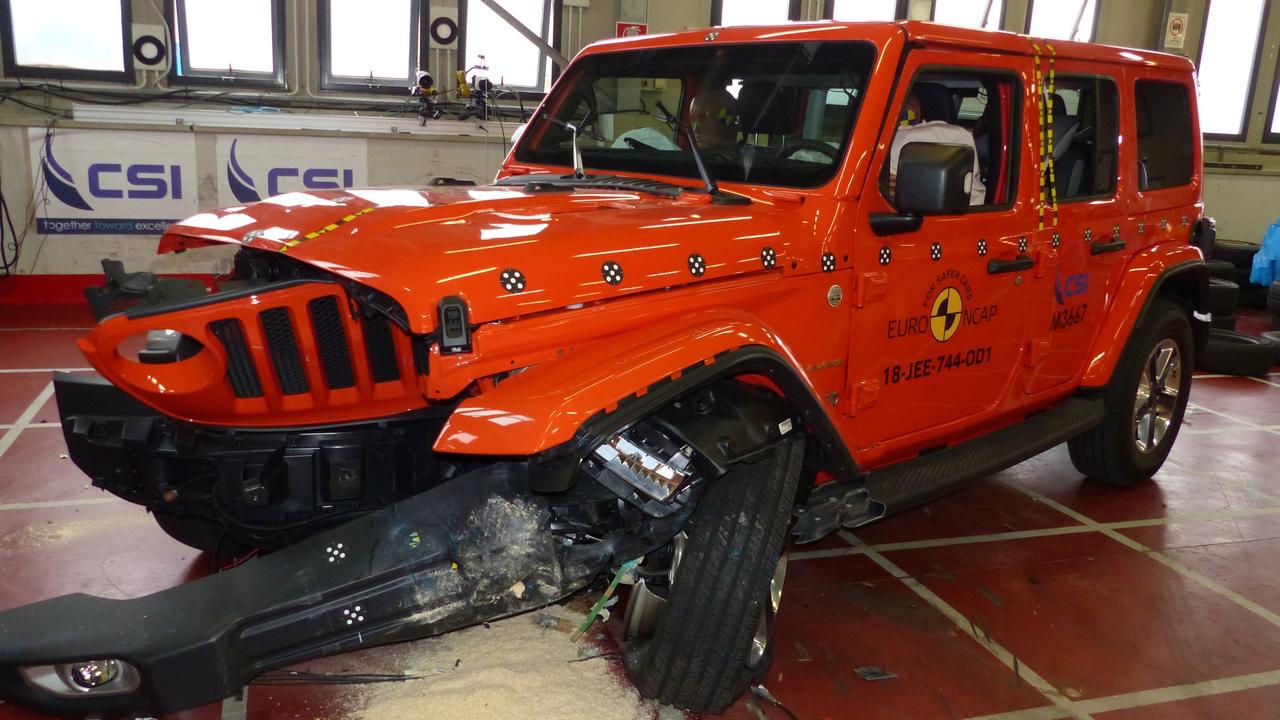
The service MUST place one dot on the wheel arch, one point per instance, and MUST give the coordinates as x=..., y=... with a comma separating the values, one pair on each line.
x=556, y=414
x=1179, y=275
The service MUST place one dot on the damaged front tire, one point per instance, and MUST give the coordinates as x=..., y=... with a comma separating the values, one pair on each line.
x=711, y=639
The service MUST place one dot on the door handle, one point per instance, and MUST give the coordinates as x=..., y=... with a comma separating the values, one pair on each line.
x=1022, y=262
x=1101, y=247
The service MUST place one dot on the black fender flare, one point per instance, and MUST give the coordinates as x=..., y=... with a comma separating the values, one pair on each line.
x=716, y=438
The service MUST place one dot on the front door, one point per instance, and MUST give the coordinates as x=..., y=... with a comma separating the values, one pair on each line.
x=941, y=318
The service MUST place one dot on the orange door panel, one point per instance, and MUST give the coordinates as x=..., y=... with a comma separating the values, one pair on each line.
x=938, y=337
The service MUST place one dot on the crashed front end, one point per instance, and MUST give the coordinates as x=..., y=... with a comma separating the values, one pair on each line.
x=306, y=412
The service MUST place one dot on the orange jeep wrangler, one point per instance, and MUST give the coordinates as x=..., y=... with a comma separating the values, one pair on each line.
x=730, y=285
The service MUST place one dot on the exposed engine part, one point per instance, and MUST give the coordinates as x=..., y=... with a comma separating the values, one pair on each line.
x=646, y=471
x=645, y=467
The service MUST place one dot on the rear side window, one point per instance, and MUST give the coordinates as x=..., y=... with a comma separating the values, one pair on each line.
x=1085, y=132
x=1165, y=144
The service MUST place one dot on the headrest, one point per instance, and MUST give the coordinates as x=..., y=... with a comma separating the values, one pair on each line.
x=765, y=107
x=935, y=101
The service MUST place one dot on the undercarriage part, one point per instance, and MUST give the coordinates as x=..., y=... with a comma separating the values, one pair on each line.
x=265, y=488
x=907, y=484
x=467, y=551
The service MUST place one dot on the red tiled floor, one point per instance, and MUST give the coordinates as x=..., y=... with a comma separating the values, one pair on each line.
x=34, y=470
x=1243, y=398
x=1259, y=703
x=1076, y=607
x=17, y=391
x=113, y=550
x=40, y=349
x=825, y=634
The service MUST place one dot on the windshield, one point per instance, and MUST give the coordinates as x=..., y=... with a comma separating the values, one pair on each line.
x=766, y=113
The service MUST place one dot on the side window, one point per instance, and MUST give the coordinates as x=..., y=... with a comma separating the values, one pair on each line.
x=1165, y=145
x=976, y=109
x=1085, y=131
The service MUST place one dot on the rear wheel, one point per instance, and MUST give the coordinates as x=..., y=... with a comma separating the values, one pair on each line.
x=703, y=620
x=1145, y=401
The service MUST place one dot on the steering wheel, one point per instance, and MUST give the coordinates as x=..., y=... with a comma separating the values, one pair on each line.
x=794, y=146
x=638, y=144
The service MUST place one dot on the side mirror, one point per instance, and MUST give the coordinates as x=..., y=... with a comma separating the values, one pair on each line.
x=934, y=179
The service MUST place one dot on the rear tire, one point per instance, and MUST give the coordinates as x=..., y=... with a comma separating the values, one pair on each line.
x=700, y=654
x=1145, y=401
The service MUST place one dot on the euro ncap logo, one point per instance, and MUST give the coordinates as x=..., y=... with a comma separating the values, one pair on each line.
x=242, y=186
x=944, y=319
x=58, y=180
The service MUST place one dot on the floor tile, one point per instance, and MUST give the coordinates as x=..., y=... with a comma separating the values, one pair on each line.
x=36, y=469
x=41, y=349
x=1093, y=620
x=1204, y=474
x=1258, y=703
x=17, y=391
x=1242, y=398
x=114, y=551
x=991, y=506
x=826, y=634
x=1248, y=568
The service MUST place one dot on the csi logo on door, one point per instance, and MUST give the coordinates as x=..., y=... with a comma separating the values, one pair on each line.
x=110, y=181
x=245, y=188
x=1066, y=287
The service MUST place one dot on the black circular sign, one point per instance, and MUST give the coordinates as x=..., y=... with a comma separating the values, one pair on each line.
x=149, y=50
x=444, y=31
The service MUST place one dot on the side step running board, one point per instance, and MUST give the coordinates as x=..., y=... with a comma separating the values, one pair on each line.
x=902, y=486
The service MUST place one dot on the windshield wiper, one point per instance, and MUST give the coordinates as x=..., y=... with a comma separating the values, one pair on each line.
x=666, y=116
x=578, y=171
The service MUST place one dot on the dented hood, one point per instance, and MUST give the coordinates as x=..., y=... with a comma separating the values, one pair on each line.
x=504, y=250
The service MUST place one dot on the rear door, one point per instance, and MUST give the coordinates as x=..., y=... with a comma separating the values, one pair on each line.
x=940, y=312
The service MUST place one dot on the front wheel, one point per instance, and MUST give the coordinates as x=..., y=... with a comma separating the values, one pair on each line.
x=1145, y=401
x=704, y=634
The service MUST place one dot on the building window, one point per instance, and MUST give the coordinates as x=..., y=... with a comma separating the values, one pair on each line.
x=1062, y=19
x=66, y=39
x=863, y=10
x=348, y=58
x=228, y=41
x=1228, y=57
x=1166, y=148
x=985, y=14
x=1272, y=132
x=750, y=12
x=501, y=53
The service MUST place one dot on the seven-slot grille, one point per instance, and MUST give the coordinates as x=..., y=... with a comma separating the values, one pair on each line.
x=329, y=329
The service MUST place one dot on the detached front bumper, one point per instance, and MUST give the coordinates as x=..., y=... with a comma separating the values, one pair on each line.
x=472, y=549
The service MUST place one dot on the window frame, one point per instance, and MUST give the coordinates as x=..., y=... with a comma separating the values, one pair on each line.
x=175, y=14
x=1269, y=136
x=1004, y=14
x=793, y=11
x=1017, y=105
x=12, y=69
x=1093, y=30
x=385, y=86
x=1253, y=79
x=900, y=10
x=552, y=38
x=1098, y=78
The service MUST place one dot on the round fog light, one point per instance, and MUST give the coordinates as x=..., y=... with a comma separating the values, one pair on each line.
x=94, y=673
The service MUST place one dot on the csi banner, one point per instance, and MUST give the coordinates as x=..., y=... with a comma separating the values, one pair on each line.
x=104, y=182
x=254, y=167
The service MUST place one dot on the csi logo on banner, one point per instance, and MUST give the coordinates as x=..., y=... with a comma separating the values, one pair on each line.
x=95, y=182
x=255, y=167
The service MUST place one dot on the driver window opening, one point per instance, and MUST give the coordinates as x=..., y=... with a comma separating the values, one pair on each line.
x=976, y=110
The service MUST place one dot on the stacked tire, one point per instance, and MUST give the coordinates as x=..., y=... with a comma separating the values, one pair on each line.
x=1229, y=352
